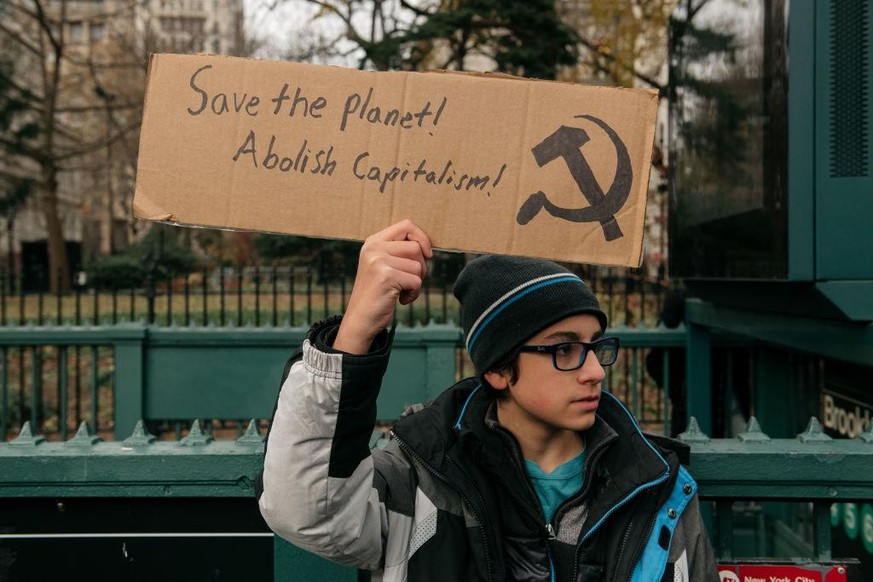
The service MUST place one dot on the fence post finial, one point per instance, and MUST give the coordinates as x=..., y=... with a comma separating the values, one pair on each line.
x=196, y=437
x=753, y=433
x=693, y=434
x=813, y=433
x=252, y=436
x=83, y=437
x=140, y=437
x=26, y=438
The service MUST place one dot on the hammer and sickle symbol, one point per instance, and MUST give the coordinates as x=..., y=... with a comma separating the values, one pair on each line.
x=566, y=143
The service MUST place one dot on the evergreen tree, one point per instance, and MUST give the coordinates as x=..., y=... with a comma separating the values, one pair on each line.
x=523, y=37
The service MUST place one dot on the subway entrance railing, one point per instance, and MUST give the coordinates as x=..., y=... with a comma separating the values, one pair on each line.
x=187, y=503
x=187, y=508
x=111, y=376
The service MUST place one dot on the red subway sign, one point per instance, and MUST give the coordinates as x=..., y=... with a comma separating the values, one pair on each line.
x=782, y=573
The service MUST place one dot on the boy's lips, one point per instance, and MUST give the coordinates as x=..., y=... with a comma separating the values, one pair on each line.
x=587, y=402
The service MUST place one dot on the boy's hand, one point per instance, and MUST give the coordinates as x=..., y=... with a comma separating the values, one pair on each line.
x=391, y=268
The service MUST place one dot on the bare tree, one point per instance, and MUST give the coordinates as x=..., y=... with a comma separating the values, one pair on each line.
x=63, y=79
x=622, y=42
x=369, y=32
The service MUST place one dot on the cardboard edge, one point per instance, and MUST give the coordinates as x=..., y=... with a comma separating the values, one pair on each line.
x=150, y=73
x=497, y=75
x=144, y=208
x=169, y=219
x=653, y=93
x=651, y=130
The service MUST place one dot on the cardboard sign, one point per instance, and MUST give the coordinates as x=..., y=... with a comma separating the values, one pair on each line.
x=483, y=163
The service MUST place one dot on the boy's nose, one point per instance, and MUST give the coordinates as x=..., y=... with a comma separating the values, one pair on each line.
x=591, y=370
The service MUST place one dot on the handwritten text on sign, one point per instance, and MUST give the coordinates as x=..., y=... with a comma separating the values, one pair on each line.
x=267, y=153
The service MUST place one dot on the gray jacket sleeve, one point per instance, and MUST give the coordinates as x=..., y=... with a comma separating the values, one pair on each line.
x=690, y=551
x=318, y=480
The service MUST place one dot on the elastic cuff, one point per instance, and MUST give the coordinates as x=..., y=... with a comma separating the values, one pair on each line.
x=323, y=333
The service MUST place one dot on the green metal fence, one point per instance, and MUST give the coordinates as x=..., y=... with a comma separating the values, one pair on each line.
x=110, y=377
x=273, y=295
x=136, y=497
x=201, y=492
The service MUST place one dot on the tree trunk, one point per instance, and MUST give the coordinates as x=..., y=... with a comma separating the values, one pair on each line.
x=59, y=272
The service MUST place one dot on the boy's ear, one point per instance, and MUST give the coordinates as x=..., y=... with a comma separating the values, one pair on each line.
x=497, y=380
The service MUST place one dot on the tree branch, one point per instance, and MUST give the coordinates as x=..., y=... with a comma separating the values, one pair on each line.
x=45, y=25
x=624, y=66
x=97, y=146
x=20, y=39
x=6, y=173
x=25, y=94
x=92, y=108
x=415, y=9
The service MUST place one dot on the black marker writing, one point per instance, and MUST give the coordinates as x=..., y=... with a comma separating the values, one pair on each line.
x=360, y=107
x=565, y=144
x=220, y=103
x=423, y=173
x=312, y=109
x=323, y=162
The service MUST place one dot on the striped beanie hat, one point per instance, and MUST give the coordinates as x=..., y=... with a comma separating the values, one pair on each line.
x=507, y=300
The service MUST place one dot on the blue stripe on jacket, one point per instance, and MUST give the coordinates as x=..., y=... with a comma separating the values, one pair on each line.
x=650, y=567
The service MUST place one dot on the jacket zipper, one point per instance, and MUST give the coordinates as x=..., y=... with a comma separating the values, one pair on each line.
x=612, y=510
x=550, y=535
x=646, y=539
x=624, y=539
x=549, y=528
x=430, y=469
x=586, y=487
x=591, y=458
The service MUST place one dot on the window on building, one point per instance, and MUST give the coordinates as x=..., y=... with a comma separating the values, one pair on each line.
x=76, y=31
x=98, y=31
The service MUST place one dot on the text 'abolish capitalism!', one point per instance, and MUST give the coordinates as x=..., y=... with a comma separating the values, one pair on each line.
x=304, y=157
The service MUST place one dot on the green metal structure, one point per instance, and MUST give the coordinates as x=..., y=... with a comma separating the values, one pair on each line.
x=225, y=373
x=203, y=489
x=780, y=494
x=72, y=483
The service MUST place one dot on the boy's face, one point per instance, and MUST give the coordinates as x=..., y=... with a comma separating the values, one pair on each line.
x=544, y=400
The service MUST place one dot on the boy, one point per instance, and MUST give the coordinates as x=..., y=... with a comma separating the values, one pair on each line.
x=528, y=472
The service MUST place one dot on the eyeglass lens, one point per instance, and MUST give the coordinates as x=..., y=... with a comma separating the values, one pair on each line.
x=571, y=355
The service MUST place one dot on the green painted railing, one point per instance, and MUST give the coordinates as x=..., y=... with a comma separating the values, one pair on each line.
x=110, y=377
x=173, y=374
x=810, y=469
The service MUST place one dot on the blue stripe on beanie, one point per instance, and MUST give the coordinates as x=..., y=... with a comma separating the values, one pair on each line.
x=512, y=300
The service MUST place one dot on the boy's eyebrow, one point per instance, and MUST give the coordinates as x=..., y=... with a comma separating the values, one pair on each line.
x=567, y=336
x=572, y=336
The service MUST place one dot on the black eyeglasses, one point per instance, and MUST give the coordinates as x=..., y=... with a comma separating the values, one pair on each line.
x=568, y=356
